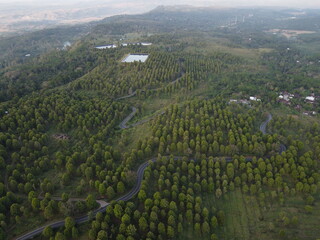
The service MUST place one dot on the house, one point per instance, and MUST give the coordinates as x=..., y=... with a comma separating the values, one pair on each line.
x=106, y=46
x=252, y=98
x=241, y=101
x=286, y=102
x=244, y=101
x=285, y=97
x=309, y=113
x=310, y=99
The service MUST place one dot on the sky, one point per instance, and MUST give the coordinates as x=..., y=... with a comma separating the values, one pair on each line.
x=218, y=3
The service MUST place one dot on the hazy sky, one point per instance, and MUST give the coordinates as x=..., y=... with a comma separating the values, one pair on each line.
x=151, y=3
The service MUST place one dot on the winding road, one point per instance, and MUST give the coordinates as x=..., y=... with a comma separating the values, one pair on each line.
x=263, y=129
x=263, y=126
x=127, y=96
x=127, y=196
x=123, y=124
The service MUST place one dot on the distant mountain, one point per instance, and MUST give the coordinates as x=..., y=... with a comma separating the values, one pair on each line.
x=161, y=19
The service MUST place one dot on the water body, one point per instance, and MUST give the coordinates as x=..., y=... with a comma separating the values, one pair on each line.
x=135, y=58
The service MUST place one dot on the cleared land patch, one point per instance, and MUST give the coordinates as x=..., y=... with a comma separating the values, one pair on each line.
x=135, y=58
x=288, y=33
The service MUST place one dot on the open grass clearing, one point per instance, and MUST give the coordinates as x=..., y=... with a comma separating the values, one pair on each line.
x=207, y=44
x=245, y=219
x=128, y=138
x=308, y=223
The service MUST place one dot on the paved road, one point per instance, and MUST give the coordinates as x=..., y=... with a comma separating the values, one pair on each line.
x=263, y=126
x=146, y=119
x=123, y=124
x=263, y=129
x=57, y=224
x=103, y=204
x=127, y=96
x=130, y=194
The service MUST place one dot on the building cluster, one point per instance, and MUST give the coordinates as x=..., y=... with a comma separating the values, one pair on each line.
x=309, y=113
x=123, y=45
x=286, y=97
x=245, y=101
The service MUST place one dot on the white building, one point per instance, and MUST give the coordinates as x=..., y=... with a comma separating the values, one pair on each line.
x=286, y=96
x=310, y=98
x=106, y=46
x=252, y=98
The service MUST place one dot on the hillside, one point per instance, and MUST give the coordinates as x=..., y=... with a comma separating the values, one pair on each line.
x=214, y=134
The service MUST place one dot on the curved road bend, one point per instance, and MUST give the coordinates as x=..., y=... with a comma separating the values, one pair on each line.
x=127, y=96
x=127, y=196
x=104, y=205
x=101, y=209
x=123, y=124
x=263, y=126
x=146, y=119
x=263, y=129
x=57, y=224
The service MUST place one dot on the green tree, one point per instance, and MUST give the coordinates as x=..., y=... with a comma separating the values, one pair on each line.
x=161, y=228
x=59, y=236
x=91, y=202
x=47, y=232
x=69, y=223
x=110, y=192
x=75, y=233
x=205, y=228
x=170, y=232
x=143, y=224
x=131, y=230
x=120, y=187
x=102, y=235
x=214, y=222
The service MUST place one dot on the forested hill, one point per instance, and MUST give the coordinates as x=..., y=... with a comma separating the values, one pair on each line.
x=14, y=49
x=25, y=60
x=213, y=134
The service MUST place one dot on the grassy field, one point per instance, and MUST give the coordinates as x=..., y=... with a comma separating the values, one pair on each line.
x=306, y=228
x=241, y=215
x=246, y=220
x=128, y=139
x=26, y=224
x=205, y=44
